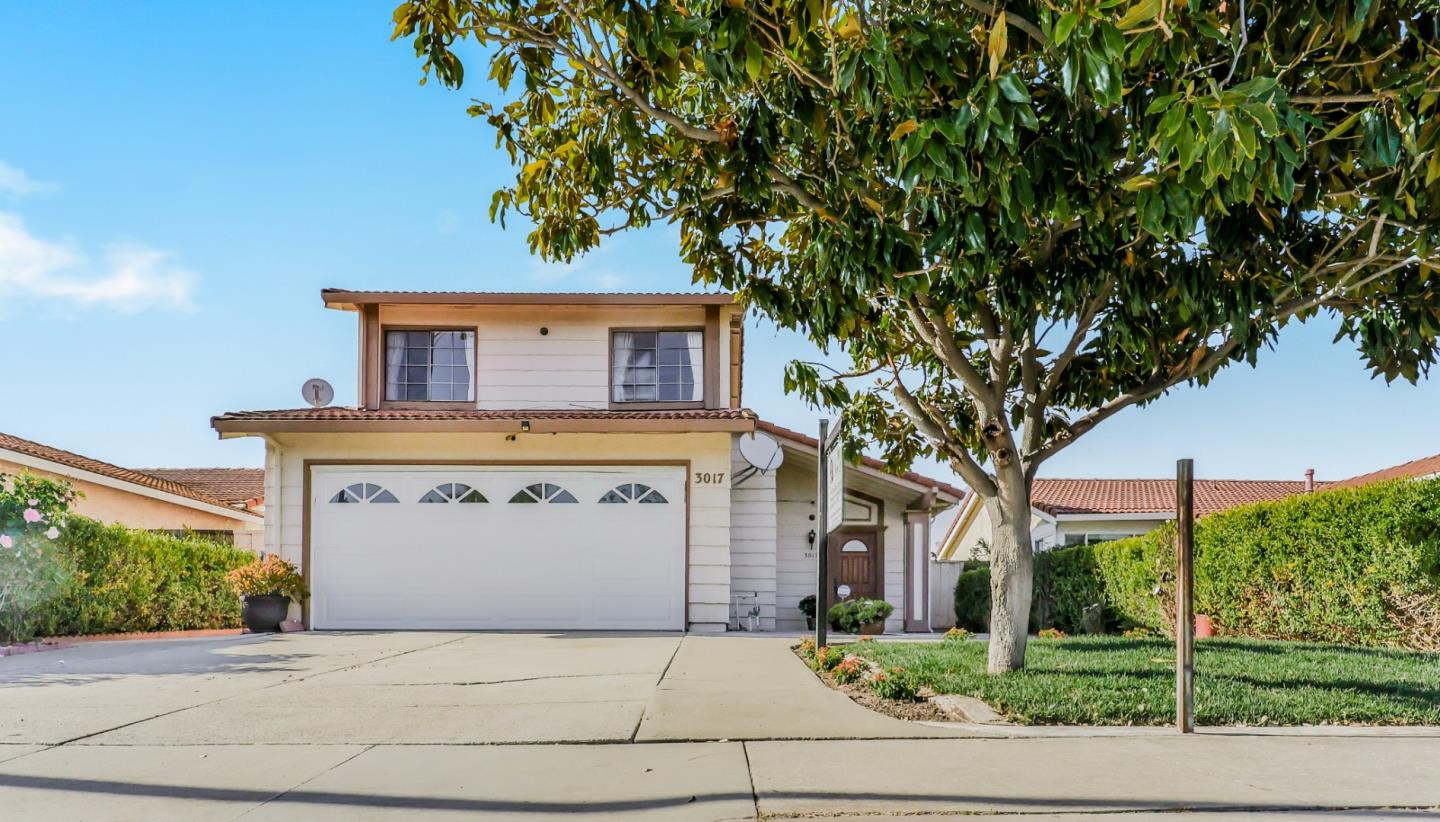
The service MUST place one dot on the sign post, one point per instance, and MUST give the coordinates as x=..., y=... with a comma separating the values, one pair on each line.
x=1185, y=596
x=830, y=505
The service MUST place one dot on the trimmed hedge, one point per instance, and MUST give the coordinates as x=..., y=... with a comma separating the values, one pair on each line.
x=119, y=579
x=1354, y=566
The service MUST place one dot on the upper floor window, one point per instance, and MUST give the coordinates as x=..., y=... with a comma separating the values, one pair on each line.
x=657, y=366
x=430, y=366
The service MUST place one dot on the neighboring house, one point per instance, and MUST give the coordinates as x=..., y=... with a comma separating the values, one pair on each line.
x=155, y=500
x=1423, y=468
x=1076, y=511
x=566, y=461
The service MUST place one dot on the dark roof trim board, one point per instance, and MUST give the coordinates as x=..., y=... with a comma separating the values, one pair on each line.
x=29, y=450
x=810, y=443
x=537, y=421
x=351, y=300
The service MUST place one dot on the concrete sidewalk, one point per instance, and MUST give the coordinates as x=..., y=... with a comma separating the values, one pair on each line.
x=1225, y=776
x=721, y=687
x=433, y=725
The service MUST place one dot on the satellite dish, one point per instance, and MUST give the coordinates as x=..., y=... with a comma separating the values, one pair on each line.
x=761, y=451
x=317, y=392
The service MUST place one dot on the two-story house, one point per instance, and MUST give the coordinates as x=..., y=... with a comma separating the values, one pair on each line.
x=566, y=461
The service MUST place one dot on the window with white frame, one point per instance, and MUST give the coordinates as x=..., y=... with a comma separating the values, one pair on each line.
x=657, y=366
x=429, y=366
x=1091, y=539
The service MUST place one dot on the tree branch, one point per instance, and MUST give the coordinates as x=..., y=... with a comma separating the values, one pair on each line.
x=942, y=435
x=990, y=10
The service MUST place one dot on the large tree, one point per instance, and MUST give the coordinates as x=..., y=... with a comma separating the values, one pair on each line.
x=1016, y=218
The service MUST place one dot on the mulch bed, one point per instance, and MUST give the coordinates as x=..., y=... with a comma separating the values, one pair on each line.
x=859, y=692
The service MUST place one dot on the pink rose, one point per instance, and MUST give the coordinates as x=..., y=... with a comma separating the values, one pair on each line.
x=31, y=515
x=6, y=541
x=53, y=532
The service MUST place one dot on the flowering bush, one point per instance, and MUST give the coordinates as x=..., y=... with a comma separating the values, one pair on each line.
x=850, y=669
x=1052, y=633
x=956, y=634
x=270, y=575
x=33, y=511
x=827, y=658
x=895, y=683
x=806, y=649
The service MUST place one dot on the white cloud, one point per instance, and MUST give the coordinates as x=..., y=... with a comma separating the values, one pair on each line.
x=17, y=183
x=576, y=275
x=128, y=277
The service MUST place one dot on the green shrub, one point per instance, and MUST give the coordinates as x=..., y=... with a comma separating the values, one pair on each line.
x=972, y=600
x=895, y=683
x=33, y=513
x=119, y=579
x=1353, y=566
x=853, y=614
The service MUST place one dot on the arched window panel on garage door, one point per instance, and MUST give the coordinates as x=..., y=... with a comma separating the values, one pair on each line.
x=633, y=492
x=543, y=492
x=453, y=492
x=363, y=492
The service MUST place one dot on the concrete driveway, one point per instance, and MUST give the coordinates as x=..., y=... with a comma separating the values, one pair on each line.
x=426, y=688
x=406, y=725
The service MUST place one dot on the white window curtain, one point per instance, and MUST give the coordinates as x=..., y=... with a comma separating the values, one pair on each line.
x=394, y=366
x=657, y=366
x=469, y=373
x=623, y=378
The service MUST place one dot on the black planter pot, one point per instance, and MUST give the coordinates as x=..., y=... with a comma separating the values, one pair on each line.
x=263, y=613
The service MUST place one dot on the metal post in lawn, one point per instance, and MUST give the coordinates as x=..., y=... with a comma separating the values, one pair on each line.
x=822, y=537
x=1185, y=596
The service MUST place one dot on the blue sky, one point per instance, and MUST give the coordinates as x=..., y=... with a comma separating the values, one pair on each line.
x=178, y=181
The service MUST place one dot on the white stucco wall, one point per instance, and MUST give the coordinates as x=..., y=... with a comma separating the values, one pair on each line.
x=709, y=564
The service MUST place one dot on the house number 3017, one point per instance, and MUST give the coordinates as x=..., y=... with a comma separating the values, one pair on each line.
x=709, y=477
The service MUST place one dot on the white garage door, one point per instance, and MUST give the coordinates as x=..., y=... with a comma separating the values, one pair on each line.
x=498, y=547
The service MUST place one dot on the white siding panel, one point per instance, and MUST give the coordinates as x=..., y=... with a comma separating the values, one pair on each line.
x=752, y=536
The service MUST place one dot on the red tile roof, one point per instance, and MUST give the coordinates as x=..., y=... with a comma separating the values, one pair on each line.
x=33, y=449
x=1423, y=467
x=869, y=462
x=1144, y=496
x=232, y=486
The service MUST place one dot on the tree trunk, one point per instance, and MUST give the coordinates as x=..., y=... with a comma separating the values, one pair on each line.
x=1012, y=572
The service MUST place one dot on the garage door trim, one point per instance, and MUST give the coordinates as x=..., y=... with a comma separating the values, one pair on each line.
x=308, y=474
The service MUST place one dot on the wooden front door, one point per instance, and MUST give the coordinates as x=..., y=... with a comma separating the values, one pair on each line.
x=856, y=561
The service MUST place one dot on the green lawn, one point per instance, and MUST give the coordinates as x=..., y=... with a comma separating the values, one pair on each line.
x=1120, y=681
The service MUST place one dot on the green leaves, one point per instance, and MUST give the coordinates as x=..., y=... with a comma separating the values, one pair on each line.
x=837, y=167
x=1141, y=13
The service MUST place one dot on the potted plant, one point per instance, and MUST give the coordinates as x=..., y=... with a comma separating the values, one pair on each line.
x=807, y=607
x=266, y=587
x=860, y=616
